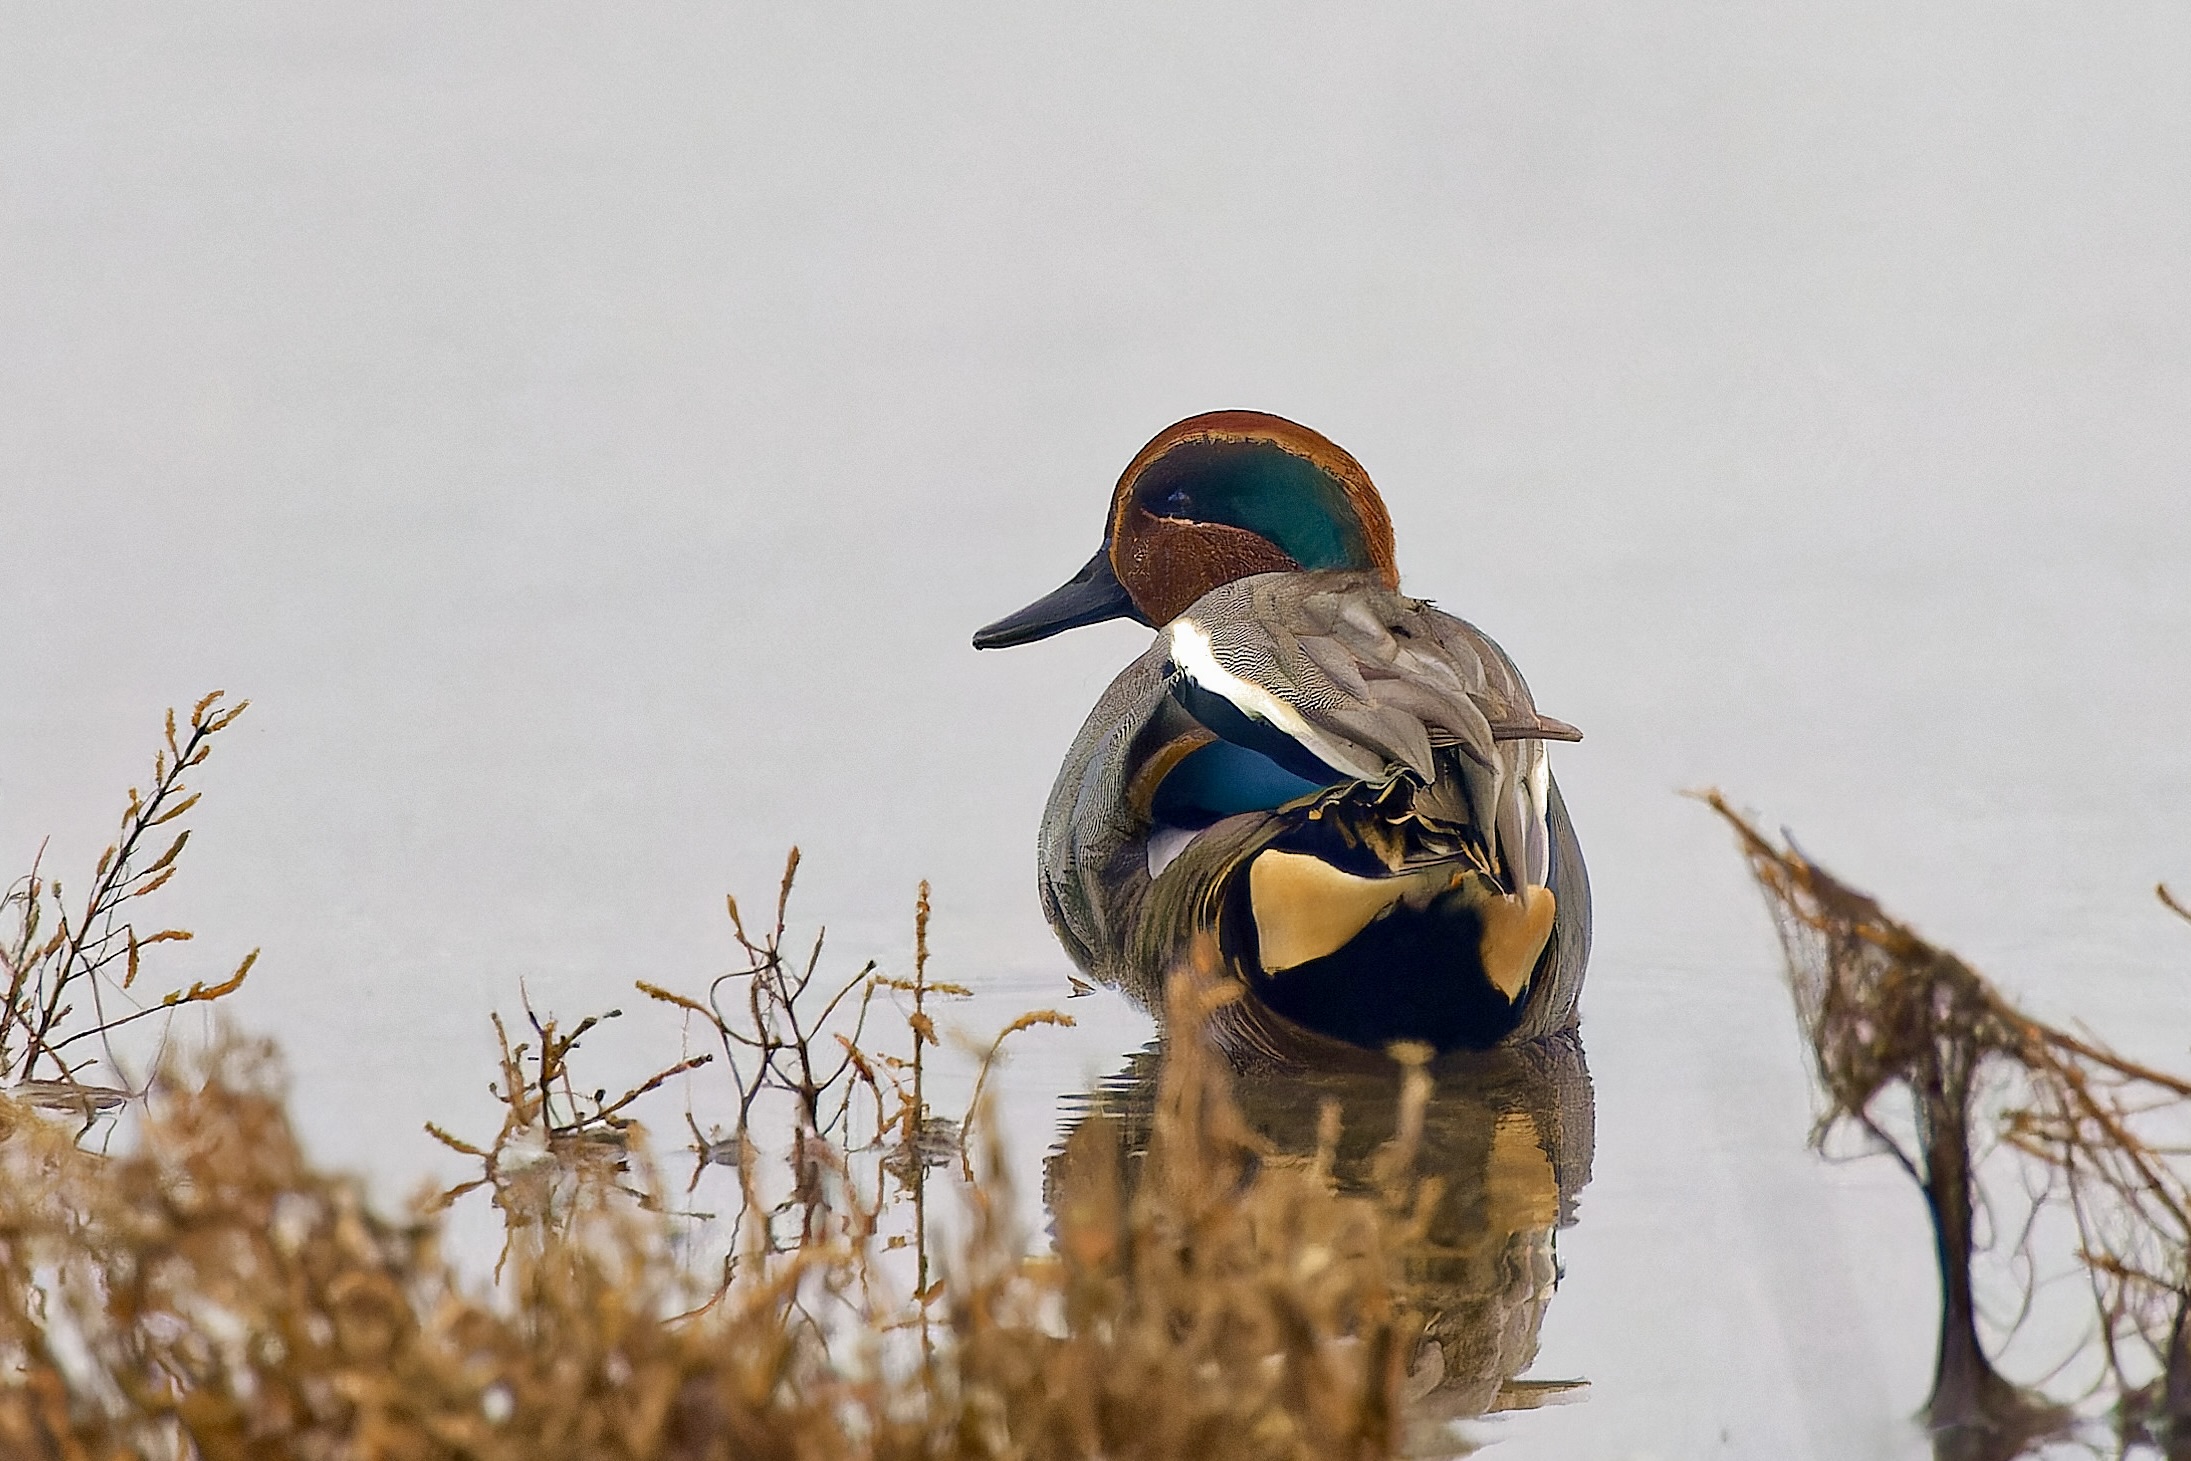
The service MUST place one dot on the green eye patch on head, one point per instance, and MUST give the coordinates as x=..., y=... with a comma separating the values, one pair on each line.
x=1262, y=487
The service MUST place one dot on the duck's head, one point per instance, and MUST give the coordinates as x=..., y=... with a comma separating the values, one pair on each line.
x=1214, y=498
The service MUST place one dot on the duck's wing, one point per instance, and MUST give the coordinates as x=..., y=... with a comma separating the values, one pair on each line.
x=1366, y=678
x=1336, y=670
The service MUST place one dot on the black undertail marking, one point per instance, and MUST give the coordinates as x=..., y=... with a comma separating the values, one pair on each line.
x=1410, y=975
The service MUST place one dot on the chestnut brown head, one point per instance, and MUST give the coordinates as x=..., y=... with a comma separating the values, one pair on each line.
x=1214, y=498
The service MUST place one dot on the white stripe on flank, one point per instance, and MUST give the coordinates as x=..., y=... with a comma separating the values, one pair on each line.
x=1537, y=813
x=1192, y=651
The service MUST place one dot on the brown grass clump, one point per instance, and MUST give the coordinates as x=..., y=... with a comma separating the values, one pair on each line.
x=210, y=1293
x=204, y=1290
x=1886, y=1013
x=1217, y=1307
x=1508, y=1134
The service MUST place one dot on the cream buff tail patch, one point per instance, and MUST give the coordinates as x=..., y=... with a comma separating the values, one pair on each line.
x=1305, y=908
x=1515, y=928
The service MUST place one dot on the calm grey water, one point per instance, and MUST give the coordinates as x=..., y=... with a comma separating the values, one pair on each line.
x=591, y=435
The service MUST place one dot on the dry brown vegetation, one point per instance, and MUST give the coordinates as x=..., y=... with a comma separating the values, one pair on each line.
x=1509, y=1135
x=192, y=1285
x=71, y=969
x=1922, y=1056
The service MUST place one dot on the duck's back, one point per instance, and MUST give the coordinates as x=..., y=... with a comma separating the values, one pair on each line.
x=1363, y=746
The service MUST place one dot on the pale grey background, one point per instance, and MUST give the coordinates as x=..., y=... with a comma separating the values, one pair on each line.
x=590, y=433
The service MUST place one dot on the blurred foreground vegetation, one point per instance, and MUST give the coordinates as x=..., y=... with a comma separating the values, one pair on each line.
x=178, y=1279
x=1241, y=1262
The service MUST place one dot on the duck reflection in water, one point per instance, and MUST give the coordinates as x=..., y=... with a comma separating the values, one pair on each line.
x=1508, y=1136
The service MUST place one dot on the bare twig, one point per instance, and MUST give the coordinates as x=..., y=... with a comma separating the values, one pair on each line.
x=50, y=977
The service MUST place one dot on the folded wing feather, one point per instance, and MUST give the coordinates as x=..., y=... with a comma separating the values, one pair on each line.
x=1373, y=682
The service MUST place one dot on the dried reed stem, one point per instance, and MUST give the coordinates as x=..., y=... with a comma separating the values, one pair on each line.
x=1883, y=1011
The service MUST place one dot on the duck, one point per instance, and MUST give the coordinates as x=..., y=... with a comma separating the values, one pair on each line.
x=1343, y=790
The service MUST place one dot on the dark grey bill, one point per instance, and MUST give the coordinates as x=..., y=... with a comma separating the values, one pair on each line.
x=1089, y=597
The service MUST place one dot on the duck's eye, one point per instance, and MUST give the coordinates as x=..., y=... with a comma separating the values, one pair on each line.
x=1175, y=501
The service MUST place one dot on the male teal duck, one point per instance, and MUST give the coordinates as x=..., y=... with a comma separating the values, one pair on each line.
x=1343, y=787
